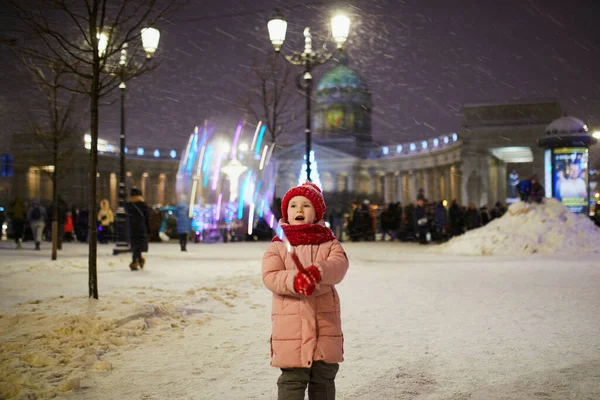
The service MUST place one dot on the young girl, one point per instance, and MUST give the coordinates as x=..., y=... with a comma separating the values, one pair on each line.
x=307, y=339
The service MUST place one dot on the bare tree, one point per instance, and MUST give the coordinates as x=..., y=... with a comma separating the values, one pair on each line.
x=84, y=37
x=55, y=131
x=272, y=98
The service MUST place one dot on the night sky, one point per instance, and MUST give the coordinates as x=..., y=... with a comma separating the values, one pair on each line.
x=422, y=59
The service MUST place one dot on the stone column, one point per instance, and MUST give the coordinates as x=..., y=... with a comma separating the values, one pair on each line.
x=170, y=190
x=456, y=183
x=387, y=188
x=435, y=185
x=502, y=182
x=413, y=186
x=399, y=190
x=484, y=173
x=464, y=178
x=374, y=184
x=447, y=193
x=350, y=182
x=493, y=184
x=339, y=183
x=427, y=183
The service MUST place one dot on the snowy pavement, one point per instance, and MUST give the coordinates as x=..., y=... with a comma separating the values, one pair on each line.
x=196, y=325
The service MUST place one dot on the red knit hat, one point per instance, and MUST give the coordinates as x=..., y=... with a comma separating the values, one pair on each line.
x=312, y=193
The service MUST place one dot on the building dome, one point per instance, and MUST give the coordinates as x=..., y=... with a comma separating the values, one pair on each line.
x=341, y=77
x=343, y=104
x=567, y=126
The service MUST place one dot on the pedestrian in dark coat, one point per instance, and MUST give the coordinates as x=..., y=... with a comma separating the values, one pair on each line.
x=388, y=222
x=472, y=217
x=367, y=230
x=421, y=218
x=356, y=225
x=182, y=213
x=537, y=190
x=456, y=219
x=17, y=213
x=138, y=222
x=524, y=188
x=440, y=220
x=485, y=215
x=497, y=211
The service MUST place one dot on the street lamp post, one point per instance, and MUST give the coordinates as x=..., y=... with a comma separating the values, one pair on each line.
x=309, y=59
x=150, y=39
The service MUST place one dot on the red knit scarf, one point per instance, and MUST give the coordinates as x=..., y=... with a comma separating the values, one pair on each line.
x=306, y=234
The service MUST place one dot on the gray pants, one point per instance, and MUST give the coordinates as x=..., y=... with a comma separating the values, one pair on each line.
x=320, y=379
x=37, y=228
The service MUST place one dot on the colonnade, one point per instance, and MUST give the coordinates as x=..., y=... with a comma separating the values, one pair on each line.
x=156, y=188
x=439, y=183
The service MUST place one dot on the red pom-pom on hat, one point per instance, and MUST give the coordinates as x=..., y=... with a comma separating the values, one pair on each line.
x=312, y=193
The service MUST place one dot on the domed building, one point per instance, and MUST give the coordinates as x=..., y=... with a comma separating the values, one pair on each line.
x=343, y=108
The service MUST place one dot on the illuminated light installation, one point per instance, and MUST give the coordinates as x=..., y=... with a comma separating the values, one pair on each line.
x=316, y=178
x=260, y=138
x=229, y=186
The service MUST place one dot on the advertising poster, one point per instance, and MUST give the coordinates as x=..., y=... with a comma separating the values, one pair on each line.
x=570, y=168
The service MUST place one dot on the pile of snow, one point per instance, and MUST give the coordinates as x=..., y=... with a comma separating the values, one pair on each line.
x=46, y=350
x=548, y=228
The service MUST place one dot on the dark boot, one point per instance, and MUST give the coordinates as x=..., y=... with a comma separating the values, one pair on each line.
x=141, y=262
x=37, y=245
x=133, y=265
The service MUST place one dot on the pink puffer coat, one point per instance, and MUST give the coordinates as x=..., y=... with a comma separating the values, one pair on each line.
x=305, y=329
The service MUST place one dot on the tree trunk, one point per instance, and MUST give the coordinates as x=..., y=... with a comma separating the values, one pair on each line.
x=92, y=261
x=55, y=231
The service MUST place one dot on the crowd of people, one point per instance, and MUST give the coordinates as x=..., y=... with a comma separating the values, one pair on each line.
x=422, y=220
x=33, y=221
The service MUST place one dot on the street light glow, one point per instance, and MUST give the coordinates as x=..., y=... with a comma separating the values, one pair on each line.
x=102, y=43
x=596, y=135
x=309, y=59
x=150, y=38
x=277, y=27
x=340, y=27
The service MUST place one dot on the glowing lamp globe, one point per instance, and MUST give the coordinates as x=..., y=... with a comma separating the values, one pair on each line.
x=150, y=38
x=102, y=43
x=340, y=27
x=277, y=27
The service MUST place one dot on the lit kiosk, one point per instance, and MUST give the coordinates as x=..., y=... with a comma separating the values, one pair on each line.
x=567, y=141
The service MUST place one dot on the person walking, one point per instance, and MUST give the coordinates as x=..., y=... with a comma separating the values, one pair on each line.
x=422, y=222
x=17, y=213
x=182, y=212
x=456, y=219
x=37, y=221
x=106, y=219
x=69, y=227
x=137, y=218
x=307, y=339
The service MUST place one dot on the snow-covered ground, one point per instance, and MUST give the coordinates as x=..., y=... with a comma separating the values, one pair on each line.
x=418, y=325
